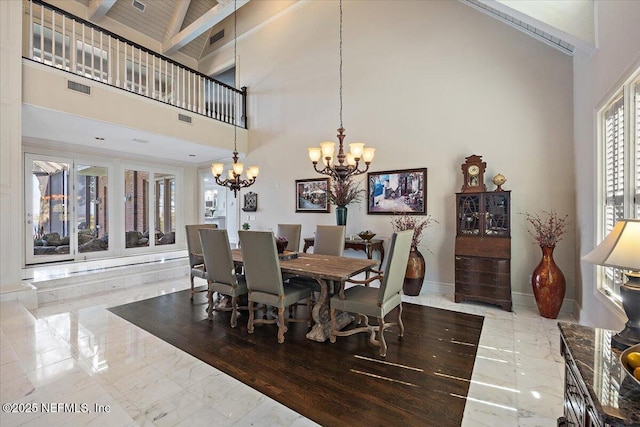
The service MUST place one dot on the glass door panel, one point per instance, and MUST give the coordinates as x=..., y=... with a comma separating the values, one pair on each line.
x=48, y=210
x=92, y=213
x=136, y=208
x=165, y=205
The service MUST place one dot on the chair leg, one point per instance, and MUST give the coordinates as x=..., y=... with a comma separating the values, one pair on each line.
x=234, y=311
x=309, y=312
x=400, y=324
x=250, y=323
x=210, y=301
x=383, y=343
x=192, y=286
x=282, y=328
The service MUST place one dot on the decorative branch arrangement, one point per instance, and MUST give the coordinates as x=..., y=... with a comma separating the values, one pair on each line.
x=548, y=227
x=402, y=221
x=344, y=192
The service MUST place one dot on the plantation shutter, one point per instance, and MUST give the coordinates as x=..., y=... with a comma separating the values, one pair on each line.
x=637, y=149
x=614, y=177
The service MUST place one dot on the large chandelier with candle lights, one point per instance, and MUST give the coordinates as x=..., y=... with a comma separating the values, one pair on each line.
x=347, y=164
x=234, y=181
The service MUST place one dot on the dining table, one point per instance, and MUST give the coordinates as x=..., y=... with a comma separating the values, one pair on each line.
x=328, y=271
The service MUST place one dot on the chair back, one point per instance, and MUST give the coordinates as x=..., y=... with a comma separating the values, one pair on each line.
x=217, y=256
x=261, y=262
x=194, y=247
x=396, y=266
x=292, y=233
x=329, y=240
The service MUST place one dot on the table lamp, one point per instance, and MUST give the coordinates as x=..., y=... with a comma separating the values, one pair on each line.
x=621, y=249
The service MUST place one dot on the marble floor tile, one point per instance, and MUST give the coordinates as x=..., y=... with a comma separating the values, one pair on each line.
x=76, y=351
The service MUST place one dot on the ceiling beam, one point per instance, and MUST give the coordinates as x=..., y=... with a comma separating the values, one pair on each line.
x=177, y=19
x=200, y=25
x=99, y=8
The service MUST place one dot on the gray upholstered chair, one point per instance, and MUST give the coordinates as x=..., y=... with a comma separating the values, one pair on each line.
x=264, y=280
x=220, y=271
x=292, y=233
x=329, y=240
x=196, y=260
x=376, y=302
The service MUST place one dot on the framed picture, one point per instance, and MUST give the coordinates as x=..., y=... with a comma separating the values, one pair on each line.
x=400, y=191
x=312, y=195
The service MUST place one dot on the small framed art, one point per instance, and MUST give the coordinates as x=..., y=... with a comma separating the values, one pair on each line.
x=312, y=195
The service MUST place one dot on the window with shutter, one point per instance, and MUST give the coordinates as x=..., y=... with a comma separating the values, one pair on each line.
x=620, y=161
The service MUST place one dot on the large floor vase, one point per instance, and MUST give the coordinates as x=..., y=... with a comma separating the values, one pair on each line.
x=549, y=284
x=414, y=276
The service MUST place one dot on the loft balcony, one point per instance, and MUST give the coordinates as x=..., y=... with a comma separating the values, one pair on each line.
x=73, y=67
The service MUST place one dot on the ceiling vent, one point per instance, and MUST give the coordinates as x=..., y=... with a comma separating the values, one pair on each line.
x=543, y=36
x=184, y=118
x=217, y=36
x=79, y=87
x=139, y=5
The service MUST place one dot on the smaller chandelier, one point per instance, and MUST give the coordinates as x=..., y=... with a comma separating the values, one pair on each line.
x=234, y=181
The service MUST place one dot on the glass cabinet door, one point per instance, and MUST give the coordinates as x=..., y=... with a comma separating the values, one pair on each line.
x=496, y=206
x=469, y=214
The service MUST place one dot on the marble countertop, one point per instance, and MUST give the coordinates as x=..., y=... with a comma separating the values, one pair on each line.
x=615, y=395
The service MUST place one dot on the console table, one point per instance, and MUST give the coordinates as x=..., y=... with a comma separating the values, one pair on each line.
x=597, y=392
x=367, y=246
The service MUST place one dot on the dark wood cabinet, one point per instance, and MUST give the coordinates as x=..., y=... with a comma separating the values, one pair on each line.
x=483, y=248
x=596, y=391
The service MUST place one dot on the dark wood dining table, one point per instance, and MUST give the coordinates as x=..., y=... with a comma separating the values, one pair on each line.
x=327, y=270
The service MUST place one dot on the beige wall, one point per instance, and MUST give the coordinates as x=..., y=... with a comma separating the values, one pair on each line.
x=596, y=76
x=427, y=84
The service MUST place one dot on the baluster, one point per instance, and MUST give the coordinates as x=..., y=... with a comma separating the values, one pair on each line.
x=188, y=88
x=101, y=59
x=83, y=55
x=93, y=57
x=173, y=88
x=109, y=63
x=153, y=73
x=147, y=76
x=64, y=44
x=53, y=38
x=117, y=63
x=42, y=34
x=74, y=48
x=31, y=29
x=140, y=71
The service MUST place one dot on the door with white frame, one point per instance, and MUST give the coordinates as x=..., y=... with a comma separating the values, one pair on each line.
x=66, y=209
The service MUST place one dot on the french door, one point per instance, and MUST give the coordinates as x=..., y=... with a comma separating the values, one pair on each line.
x=67, y=214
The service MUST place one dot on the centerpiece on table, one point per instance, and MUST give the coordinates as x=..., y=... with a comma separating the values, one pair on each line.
x=342, y=193
x=414, y=276
x=547, y=280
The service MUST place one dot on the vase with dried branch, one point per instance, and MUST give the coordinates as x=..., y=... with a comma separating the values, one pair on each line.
x=414, y=276
x=342, y=193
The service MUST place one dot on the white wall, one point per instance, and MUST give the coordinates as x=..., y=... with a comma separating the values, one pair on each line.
x=427, y=84
x=595, y=77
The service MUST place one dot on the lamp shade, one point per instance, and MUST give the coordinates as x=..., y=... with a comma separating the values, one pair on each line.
x=621, y=247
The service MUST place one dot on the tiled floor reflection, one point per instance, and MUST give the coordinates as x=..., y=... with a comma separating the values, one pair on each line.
x=94, y=368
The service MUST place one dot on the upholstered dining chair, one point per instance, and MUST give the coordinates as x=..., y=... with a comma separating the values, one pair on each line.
x=292, y=233
x=376, y=302
x=264, y=280
x=329, y=240
x=220, y=271
x=196, y=260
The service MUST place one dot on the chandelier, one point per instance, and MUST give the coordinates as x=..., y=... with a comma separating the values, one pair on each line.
x=234, y=181
x=347, y=164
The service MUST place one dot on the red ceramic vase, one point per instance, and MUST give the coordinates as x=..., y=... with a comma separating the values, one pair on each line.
x=548, y=284
x=414, y=276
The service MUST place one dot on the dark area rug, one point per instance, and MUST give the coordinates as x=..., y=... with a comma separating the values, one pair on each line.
x=423, y=381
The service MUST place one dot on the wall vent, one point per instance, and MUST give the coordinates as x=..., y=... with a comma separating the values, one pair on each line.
x=79, y=87
x=184, y=118
x=139, y=5
x=217, y=36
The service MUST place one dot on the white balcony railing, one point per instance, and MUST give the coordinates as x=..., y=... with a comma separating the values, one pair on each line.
x=61, y=40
